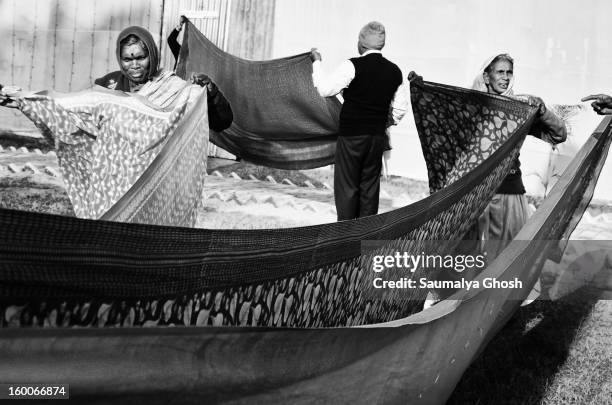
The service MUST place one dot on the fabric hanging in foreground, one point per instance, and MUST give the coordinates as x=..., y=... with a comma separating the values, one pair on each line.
x=126, y=274
x=279, y=118
x=124, y=158
x=418, y=359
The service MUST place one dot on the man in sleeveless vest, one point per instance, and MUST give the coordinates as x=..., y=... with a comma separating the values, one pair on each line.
x=369, y=84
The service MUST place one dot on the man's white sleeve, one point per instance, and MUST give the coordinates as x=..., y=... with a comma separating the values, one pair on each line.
x=401, y=103
x=328, y=86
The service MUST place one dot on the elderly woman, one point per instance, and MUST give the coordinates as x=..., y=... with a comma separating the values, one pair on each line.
x=139, y=72
x=508, y=211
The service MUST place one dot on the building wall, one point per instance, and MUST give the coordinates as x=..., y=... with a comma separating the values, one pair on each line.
x=252, y=22
x=215, y=26
x=561, y=47
x=65, y=44
x=244, y=28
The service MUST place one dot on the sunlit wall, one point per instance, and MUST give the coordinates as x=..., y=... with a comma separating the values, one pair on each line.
x=561, y=47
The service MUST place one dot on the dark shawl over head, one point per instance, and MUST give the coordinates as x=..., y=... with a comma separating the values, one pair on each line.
x=147, y=38
x=279, y=118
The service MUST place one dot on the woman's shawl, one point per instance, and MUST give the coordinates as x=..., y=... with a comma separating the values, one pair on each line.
x=106, y=140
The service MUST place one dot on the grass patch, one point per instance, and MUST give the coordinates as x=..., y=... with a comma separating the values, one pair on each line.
x=23, y=194
x=8, y=139
x=548, y=353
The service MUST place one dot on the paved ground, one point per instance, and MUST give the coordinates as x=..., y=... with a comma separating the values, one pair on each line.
x=277, y=203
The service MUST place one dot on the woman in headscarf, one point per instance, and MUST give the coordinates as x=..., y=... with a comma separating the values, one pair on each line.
x=508, y=211
x=105, y=140
x=139, y=72
x=496, y=75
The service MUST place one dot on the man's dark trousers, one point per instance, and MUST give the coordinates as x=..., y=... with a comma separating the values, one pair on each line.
x=357, y=175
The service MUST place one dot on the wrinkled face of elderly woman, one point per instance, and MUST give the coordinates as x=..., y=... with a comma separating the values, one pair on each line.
x=498, y=76
x=135, y=61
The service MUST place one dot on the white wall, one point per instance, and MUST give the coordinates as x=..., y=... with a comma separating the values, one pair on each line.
x=561, y=48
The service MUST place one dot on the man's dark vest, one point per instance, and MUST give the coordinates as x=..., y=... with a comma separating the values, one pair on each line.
x=369, y=95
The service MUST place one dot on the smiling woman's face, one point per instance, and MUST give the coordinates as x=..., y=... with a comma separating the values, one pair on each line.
x=135, y=62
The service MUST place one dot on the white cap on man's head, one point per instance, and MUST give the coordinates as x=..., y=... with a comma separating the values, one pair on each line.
x=372, y=36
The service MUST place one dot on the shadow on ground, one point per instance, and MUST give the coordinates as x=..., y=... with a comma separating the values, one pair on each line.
x=8, y=139
x=522, y=359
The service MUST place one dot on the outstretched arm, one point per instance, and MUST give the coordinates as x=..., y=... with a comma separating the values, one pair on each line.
x=173, y=43
x=548, y=127
x=602, y=103
x=329, y=86
x=11, y=97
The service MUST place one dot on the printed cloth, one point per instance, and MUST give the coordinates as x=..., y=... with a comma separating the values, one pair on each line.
x=106, y=140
